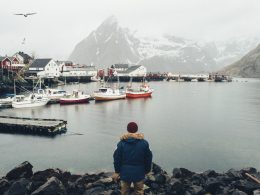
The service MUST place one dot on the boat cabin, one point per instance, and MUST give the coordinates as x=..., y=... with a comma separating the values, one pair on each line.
x=103, y=90
x=19, y=98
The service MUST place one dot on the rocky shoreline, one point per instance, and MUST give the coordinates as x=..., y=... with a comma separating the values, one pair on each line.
x=22, y=181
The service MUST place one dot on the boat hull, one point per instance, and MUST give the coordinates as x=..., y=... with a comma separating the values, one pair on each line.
x=74, y=101
x=29, y=104
x=138, y=94
x=108, y=98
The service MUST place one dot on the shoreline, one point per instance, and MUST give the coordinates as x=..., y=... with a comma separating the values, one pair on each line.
x=22, y=180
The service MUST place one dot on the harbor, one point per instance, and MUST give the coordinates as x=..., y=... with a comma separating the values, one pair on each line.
x=197, y=120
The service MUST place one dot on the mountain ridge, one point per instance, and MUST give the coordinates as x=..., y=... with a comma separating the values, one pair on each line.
x=248, y=66
x=110, y=43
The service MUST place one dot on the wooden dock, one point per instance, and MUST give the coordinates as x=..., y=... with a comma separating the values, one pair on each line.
x=35, y=126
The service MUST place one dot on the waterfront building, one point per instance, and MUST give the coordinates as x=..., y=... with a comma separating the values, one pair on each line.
x=10, y=63
x=78, y=71
x=23, y=57
x=45, y=68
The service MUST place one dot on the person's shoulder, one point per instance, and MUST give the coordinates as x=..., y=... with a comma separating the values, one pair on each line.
x=145, y=142
x=120, y=143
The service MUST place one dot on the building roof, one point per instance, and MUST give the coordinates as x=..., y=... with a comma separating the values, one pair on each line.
x=125, y=66
x=132, y=68
x=40, y=63
x=2, y=58
x=24, y=55
x=12, y=58
x=65, y=62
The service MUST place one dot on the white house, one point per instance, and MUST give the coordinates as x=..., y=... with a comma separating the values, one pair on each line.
x=132, y=71
x=45, y=68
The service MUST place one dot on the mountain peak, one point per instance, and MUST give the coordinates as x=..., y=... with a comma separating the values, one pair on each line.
x=111, y=20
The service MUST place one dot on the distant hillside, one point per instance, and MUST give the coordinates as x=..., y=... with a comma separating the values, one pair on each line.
x=110, y=43
x=248, y=66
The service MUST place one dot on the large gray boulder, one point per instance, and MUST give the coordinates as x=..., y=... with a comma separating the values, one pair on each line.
x=23, y=170
x=52, y=187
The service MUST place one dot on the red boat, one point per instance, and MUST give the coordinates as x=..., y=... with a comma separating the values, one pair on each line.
x=76, y=98
x=143, y=92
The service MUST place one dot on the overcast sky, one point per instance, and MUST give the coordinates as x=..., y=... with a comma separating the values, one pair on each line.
x=60, y=24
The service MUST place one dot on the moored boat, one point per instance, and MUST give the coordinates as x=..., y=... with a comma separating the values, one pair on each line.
x=55, y=94
x=76, y=97
x=143, y=92
x=6, y=102
x=107, y=93
x=21, y=101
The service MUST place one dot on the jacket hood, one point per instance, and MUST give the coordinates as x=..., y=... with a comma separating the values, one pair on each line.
x=132, y=137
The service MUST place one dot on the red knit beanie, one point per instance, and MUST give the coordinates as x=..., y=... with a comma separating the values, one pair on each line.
x=132, y=127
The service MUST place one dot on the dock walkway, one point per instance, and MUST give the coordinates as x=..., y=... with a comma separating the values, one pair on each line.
x=37, y=126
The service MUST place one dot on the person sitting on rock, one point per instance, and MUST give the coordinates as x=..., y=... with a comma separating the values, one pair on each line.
x=132, y=160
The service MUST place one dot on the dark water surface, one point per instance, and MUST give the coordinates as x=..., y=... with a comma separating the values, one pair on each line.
x=198, y=126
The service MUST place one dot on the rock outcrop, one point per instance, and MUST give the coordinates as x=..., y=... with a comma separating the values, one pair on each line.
x=181, y=182
x=248, y=66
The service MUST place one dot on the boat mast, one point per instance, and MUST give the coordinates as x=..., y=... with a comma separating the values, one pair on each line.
x=14, y=88
x=40, y=80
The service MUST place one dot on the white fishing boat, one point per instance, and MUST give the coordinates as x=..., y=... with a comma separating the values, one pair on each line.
x=107, y=93
x=143, y=92
x=53, y=94
x=33, y=100
x=76, y=97
x=6, y=102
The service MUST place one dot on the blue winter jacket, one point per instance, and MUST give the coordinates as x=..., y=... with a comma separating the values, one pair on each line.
x=132, y=159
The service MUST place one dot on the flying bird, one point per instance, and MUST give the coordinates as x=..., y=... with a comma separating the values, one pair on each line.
x=25, y=15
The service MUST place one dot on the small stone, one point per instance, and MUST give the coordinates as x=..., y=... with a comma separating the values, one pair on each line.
x=246, y=186
x=160, y=179
x=210, y=173
x=250, y=170
x=176, y=173
x=156, y=169
x=106, y=181
x=195, y=189
x=197, y=179
x=94, y=191
x=256, y=192
x=155, y=186
x=238, y=192
x=181, y=173
x=235, y=174
x=212, y=185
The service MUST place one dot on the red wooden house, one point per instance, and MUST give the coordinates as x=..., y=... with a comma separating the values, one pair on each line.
x=10, y=63
x=5, y=62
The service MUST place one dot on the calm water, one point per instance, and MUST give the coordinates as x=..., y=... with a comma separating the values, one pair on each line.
x=194, y=125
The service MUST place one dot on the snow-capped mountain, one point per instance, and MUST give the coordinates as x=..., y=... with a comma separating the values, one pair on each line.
x=110, y=43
